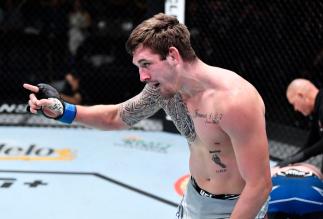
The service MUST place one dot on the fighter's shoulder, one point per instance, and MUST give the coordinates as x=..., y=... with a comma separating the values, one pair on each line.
x=242, y=102
x=141, y=106
x=150, y=90
x=148, y=97
x=234, y=86
x=148, y=93
x=241, y=95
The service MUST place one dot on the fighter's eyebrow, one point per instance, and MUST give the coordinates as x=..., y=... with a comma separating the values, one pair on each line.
x=142, y=60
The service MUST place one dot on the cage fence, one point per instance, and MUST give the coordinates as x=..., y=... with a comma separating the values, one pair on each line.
x=268, y=42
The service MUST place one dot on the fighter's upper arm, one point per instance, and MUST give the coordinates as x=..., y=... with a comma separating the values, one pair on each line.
x=244, y=122
x=142, y=106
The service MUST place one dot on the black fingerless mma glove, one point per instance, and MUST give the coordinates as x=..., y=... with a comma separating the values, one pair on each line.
x=65, y=112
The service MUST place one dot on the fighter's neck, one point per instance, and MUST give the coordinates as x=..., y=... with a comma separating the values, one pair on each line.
x=194, y=78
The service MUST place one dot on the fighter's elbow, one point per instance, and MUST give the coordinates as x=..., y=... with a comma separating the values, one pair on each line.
x=262, y=187
x=113, y=121
x=268, y=186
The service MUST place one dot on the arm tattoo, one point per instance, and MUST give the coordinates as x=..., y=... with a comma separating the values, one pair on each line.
x=140, y=107
x=177, y=110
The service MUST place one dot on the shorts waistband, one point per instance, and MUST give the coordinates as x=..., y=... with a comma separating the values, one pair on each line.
x=202, y=192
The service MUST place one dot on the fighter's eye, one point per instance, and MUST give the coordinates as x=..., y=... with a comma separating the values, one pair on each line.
x=145, y=65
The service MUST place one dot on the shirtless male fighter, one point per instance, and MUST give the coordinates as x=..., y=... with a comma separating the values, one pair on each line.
x=221, y=115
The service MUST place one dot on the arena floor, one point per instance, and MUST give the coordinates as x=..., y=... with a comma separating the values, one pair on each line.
x=84, y=173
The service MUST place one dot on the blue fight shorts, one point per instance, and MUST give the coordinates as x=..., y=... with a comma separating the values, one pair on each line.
x=296, y=192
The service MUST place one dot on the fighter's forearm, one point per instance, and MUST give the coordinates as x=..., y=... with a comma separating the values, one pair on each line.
x=104, y=117
x=251, y=200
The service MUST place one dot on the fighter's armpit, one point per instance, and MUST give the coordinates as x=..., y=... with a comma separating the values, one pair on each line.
x=141, y=106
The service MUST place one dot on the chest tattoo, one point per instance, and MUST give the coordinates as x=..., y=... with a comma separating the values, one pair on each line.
x=149, y=101
x=210, y=118
x=216, y=158
x=177, y=110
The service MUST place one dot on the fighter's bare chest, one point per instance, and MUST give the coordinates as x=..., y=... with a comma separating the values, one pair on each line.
x=197, y=120
x=207, y=125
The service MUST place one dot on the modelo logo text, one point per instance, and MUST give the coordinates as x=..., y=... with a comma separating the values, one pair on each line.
x=33, y=152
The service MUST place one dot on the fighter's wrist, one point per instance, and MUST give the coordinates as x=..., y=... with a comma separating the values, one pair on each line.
x=69, y=113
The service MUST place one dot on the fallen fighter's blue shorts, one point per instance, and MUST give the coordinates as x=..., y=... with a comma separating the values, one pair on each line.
x=297, y=193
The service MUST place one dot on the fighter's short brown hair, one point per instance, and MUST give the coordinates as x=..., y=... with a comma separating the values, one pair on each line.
x=159, y=33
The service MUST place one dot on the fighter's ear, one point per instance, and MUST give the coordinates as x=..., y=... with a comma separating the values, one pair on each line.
x=173, y=54
x=300, y=95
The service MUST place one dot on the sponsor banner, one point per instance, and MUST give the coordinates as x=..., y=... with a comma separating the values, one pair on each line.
x=34, y=153
x=138, y=143
x=180, y=184
x=13, y=108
